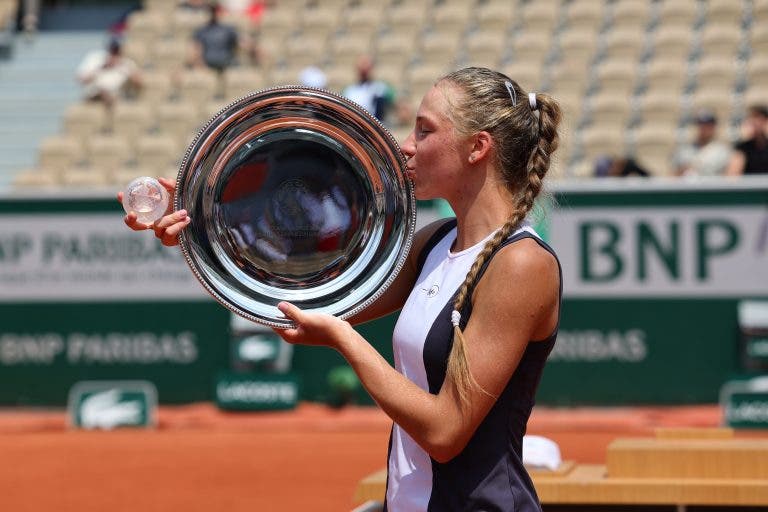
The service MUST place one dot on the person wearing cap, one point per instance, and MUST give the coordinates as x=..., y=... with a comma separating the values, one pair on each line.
x=750, y=156
x=705, y=156
x=106, y=75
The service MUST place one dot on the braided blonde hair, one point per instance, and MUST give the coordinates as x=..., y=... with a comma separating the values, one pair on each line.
x=525, y=136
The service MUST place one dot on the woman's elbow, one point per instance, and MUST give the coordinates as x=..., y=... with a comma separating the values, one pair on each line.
x=445, y=446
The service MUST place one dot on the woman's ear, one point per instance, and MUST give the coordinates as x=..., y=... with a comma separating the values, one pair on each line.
x=481, y=147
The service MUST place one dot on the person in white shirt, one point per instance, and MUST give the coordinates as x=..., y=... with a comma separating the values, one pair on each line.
x=105, y=74
x=705, y=156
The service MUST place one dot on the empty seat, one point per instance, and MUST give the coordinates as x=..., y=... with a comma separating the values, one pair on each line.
x=178, y=120
x=630, y=14
x=668, y=75
x=494, y=16
x=37, y=178
x=363, y=19
x=724, y=12
x=599, y=141
x=170, y=54
x=60, y=152
x=158, y=152
x=672, y=12
x=200, y=85
x=586, y=16
x=147, y=26
x=156, y=87
x=719, y=102
x=626, y=42
x=85, y=119
x=757, y=72
x=528, y=75
x=319, y=21
x=662, y=107
x=540, y=16
x=716, y=73
x=241, y=81
x=108, y=152
x=532, y=46
x=617, y=76
x=132, y=120
x=451, y=16
x=578, y=45
x=486, y=47
x=138, y=50
x=440, y=47
x=407, y=14
x=720, y=40
x=610, y=110
x=347, y=48
x=305, y=50
x=672, y=42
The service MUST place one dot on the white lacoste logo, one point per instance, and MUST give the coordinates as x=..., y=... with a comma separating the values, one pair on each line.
x=105, y=410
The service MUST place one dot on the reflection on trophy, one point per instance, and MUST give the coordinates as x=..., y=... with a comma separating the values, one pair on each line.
x=295, y=194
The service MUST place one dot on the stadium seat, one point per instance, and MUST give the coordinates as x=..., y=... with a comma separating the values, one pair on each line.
x=610, y=109
x=241, y=81
x=720, y=41
x=672, y=43
x=585, y=16
x=675, y=13
x=37, y=178
x=531, y=46
x=147, y=26
x=625, y=43
x=132, y=120
x=630, y=14
x=660, y=107
x=494, y=17
x=363, y=19
x=541, y=16
x=84, y=119
x=578, y=45
x=345, y=49
x=724, y=12
x=186, y=21
x=440, y=47
x=617, y=76
x=158, y=152
x=157, y=87
x=451, y=16
x=60, y=152
x=485, y=48
x=320, y=21
x=170, y=54
x=178, y=120
x=107, y=152
x=200, y=85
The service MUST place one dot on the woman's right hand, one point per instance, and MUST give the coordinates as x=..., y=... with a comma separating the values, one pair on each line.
x=167, y=228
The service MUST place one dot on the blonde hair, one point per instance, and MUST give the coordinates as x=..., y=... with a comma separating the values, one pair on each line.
x=524, y=131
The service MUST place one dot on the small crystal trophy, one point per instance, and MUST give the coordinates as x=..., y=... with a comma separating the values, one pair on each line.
x=147, y=198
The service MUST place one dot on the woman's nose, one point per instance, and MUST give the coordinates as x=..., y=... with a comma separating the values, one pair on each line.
x=407, y=147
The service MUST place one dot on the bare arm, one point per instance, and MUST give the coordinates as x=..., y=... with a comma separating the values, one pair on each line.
x=736, y=165
x=497, y=335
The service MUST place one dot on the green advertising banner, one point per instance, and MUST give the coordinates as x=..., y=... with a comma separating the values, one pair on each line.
x=653, y=276
x=654, y=273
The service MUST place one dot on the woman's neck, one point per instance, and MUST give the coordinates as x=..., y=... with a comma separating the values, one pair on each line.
x=479, y=214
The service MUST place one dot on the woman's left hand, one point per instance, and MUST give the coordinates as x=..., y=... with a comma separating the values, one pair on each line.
x=311, y=328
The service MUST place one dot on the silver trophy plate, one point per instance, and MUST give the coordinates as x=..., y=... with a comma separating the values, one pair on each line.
x=295, y=194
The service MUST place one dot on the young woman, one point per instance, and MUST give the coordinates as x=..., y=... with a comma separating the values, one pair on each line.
x=480, y=300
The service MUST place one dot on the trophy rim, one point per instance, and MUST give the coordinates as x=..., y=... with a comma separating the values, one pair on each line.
x=409, y=221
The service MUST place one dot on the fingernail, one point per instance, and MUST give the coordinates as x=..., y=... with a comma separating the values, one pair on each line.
x=181, y=214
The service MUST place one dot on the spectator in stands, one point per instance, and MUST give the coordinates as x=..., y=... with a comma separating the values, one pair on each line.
x=705, y=156
x=107, y=75
x=374, y=95
x=750, y=156
x=312, y=76
x=215, y=44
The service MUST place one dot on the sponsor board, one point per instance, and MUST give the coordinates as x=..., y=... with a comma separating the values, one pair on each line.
x=257, y=391
x=107, y=405
x=745, y=403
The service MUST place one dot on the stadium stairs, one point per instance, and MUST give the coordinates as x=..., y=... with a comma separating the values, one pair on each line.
x=36, y=85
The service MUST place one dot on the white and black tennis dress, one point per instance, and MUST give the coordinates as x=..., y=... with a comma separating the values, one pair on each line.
x=488, y=475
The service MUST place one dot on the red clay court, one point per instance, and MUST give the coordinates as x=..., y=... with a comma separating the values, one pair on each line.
x=202, y=459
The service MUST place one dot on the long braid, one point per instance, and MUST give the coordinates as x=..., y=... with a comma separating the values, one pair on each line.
x=545, y=142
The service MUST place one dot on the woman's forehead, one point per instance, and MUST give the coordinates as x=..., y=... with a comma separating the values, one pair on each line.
x=434, y=104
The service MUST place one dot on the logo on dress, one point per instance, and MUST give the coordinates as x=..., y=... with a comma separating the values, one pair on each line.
x=431, y=292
